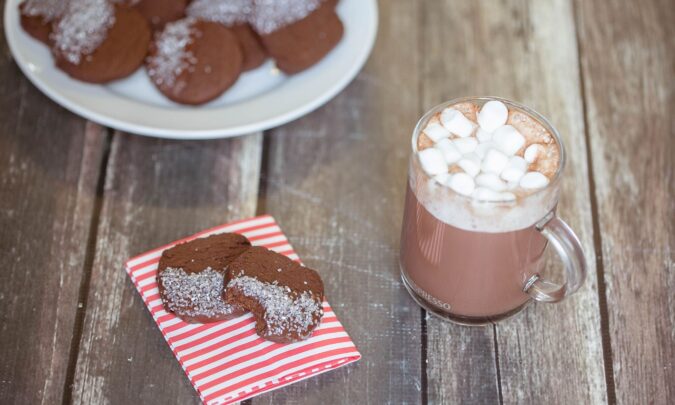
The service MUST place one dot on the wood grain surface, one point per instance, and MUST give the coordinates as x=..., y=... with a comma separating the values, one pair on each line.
x=155, y=192
x=629, y=76
x=524, y=51
x=77, y=199
x=335, y=181
x=47, y=195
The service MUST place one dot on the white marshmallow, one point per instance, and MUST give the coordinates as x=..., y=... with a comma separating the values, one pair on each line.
x=432, y=161
x=493, y=115
x=515, y=169
x=455, y=122
x=532, y=152
x=494, y=161
x=466, y=145
x=470, y=163
x=435, y=131
x=506, y=196
x=462, y=183
x=482, y=148
x=491, y=181
x=508, y=139
x=449, y=150
x=483, y=135
x=442, y=178
x=532, y=180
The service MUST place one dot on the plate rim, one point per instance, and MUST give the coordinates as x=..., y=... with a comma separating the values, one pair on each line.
x=11, y=11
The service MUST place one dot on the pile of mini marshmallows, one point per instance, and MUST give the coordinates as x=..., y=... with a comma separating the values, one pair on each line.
x=484, y=151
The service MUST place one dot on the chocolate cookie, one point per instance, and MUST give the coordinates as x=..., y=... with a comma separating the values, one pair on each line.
x=37, y=17
x=233, y=14
x=127, y=3
x=285, y=297
x=297, y=33
x=160, y=12
x=193, y=61
x=191, y=277
x=97, y=42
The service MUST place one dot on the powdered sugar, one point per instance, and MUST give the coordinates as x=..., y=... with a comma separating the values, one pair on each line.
x=172, y=57
x=226, y=12
x=48, y=10
x=285, y=310
x=83, y=27
x=194, y=294
x=270, y=15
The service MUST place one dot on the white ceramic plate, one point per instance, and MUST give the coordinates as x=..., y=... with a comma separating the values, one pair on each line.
x=261, y=99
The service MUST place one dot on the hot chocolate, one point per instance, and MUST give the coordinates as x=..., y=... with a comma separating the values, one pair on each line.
x=483, y=173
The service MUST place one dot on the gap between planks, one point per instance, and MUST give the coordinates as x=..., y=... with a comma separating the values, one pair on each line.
x=424, y=339
x=597, y=236
x=87, y=267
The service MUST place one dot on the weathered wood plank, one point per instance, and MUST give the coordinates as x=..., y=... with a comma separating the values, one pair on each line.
x=525, y=51
x=156, y=191
x=49, y=165
x=335, y=181
x=628, y=62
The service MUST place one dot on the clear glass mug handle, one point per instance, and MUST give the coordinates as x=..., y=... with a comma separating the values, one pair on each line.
x=567, y=245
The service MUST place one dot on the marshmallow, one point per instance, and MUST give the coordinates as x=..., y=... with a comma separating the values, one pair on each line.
x=470, y=163
x=532, y=152
x=494, y=161
x=466, y=145
x=493, y=115
x=482, y=148
x=486, y=194
x=455, y=122
x=442, y=178
x=506, y=196
x=532, y=180
x=508, y=139
x=491, y=181
x=449, y=150
x=462, y=183
x=432, y=161
x=515, y=169
x=435, y=131
x=483, y=135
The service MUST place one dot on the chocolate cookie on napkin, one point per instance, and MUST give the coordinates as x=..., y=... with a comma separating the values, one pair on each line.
x=285, y=297
x=191, y=277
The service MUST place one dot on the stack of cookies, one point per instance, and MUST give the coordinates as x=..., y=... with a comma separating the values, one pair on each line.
x=222, y=276
x=193, y=50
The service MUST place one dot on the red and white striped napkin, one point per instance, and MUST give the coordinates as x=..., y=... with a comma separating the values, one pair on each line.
x=226, y=361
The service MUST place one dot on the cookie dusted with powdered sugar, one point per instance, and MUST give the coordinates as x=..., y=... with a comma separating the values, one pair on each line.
x=37, y=17
x=97, y=41
x=193, y=61
x=285, y=297
x=192, y=276
x=160, y=12
x=233, y=14
x=297, y=33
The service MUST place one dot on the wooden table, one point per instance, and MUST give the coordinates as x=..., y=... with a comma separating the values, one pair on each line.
x=76, y=199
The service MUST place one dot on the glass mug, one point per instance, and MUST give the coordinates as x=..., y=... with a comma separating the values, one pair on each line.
x=475, y=262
